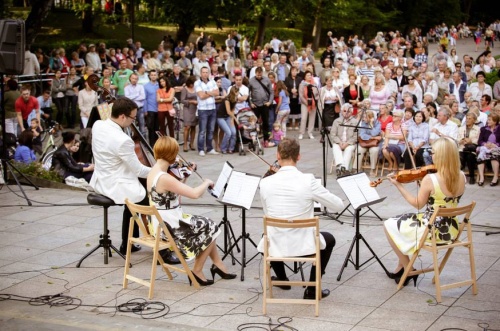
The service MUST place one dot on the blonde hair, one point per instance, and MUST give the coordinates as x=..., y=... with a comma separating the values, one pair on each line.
x=447, y=162
x=166, y=148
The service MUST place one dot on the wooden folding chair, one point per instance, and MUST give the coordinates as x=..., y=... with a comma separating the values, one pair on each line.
x=268, y=283
x=431, y=246
x=155, y=242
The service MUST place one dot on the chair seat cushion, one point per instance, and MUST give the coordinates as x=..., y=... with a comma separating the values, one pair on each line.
x=99, y=200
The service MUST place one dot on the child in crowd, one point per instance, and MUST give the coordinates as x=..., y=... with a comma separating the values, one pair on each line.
x=37, y=140
x=276, y=135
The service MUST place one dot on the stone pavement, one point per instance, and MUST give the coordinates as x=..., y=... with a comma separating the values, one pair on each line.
x=40, y=246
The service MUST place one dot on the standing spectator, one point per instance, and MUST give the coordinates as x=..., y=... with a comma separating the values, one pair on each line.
x=87, y=99
x=206, y=90
x=10, y=97
x=92, y=59
x=151, y=106
x=120, y=78
x=261, y=97
x=189, y=99
x=165, y=97
x=135, y=92
x=71, y=98
x=292, y=83
x=58, y=90
x=31, y=64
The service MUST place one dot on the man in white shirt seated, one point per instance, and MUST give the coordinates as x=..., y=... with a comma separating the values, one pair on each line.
x=444, y=127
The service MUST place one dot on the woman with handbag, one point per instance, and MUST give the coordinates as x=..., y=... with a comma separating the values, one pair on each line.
x=352, y=93
x=369, y=139
x=418, y=141
x=328, y=99
x=468, y=136
x=394, y=143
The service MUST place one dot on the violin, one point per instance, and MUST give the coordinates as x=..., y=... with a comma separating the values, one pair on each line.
x=407, y=176
x=180, y=170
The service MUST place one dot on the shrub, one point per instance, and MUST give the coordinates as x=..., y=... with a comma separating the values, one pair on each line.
x=35, y=169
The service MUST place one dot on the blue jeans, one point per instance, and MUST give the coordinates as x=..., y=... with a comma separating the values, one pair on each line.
x=142, y=123
x=207, y=120
x=226, y=125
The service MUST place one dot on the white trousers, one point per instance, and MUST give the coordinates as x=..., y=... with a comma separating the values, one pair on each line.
x=343, y=158
x=307, y=115
x=373, y=156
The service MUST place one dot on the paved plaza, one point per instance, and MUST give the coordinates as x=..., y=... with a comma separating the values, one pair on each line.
x=40, y=246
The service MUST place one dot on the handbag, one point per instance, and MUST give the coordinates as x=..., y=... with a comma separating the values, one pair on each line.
x=368, y=143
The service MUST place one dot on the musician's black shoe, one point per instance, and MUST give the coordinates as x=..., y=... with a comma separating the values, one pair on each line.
x=168, y=256
x=135, y=248
x=472, y=180
x=283, y=287
x=310, y=293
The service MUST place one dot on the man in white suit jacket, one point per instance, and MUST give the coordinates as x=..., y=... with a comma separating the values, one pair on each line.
x=117, y=168
x=290, y=194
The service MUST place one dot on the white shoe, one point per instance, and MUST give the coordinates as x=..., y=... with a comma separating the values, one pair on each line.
x=301, y=136
x=311, y=136
x=202, y=153
x=213, y=152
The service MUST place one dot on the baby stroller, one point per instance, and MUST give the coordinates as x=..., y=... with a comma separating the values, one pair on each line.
x=248, y=132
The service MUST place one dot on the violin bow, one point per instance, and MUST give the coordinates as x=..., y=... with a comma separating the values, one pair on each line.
x=257, y=156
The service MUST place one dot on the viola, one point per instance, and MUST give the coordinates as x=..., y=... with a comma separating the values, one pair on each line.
x=180, y=170
x=407, y=176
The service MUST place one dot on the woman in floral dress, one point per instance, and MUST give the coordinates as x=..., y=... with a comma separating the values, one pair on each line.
x=442, y=189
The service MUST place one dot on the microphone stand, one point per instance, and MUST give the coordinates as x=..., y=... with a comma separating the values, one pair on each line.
x=325, y=136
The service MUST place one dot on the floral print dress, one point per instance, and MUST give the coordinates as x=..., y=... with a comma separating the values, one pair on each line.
x=192, y=233
x=406, y=230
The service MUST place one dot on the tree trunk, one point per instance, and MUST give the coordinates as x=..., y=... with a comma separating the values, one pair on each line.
x=184, y=31
x=316, y=32
x=87, y=18
x=37, y=15
x=261, y=28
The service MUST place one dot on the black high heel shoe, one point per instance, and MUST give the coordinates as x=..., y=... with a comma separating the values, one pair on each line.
x=201, y=282
x=414, y=277
x=394, y=275
x=215, y=270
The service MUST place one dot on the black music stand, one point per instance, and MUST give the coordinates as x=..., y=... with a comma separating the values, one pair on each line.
x=228, y=236
x=360, y=195
x=239, y=192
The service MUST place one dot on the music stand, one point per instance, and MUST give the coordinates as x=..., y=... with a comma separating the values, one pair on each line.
x=361, y=195
x=239, y=192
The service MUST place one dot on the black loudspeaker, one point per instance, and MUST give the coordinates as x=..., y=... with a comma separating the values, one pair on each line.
x=12, y=47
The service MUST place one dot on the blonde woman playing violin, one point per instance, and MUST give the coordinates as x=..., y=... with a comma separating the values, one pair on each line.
x=444, y=188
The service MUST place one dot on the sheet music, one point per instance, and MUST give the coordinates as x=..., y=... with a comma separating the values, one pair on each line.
x=104, y=110
x=241, y=189
x=227, y=168
x=358, y=190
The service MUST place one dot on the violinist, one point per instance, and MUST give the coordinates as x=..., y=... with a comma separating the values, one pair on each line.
x=444, y=188
x=117, y=167
x=194, y=235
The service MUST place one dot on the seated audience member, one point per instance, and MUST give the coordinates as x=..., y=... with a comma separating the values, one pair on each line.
x=394, y=143
x=488, y=148
x=64, y=163
x=468, y=136
x=418, y=141
x=370, y=130
x=290, y=194
x=24, y=152
x=343, y=139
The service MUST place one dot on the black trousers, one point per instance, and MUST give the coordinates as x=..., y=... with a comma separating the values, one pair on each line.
x=152, y=124
x=469, y=160
x=263, y=112
x=127, y=215
x=419, y=159
x=279, y=267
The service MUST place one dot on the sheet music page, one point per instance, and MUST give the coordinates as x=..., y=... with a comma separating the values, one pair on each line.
x=358, y=190
x=241, y=189
x=227, y=168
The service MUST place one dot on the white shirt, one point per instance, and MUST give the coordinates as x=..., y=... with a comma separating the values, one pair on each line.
x=31, y=65
x=449, y=129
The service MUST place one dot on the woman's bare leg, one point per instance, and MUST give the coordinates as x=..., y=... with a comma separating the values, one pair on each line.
x=403, y=259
